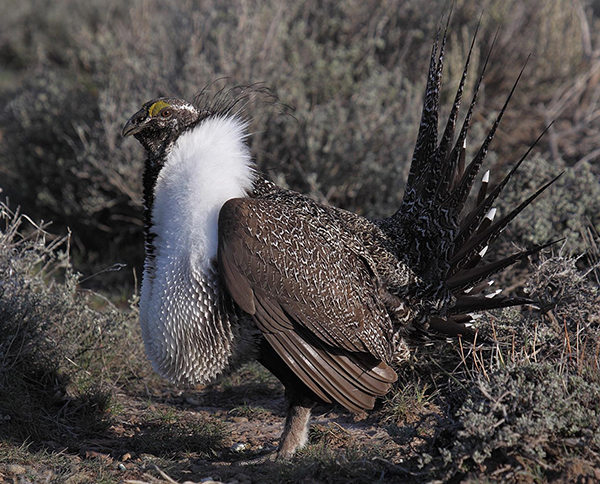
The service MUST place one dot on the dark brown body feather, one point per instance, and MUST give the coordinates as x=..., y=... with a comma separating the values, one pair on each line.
x=293, y=264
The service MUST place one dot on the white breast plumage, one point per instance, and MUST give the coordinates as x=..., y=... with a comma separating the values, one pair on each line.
x=186, y=332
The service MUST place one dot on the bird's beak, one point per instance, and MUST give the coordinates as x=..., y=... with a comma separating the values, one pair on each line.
x=136, y=123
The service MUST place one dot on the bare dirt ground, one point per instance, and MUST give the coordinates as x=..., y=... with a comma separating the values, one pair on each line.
x=227, y=433
x=224, y=433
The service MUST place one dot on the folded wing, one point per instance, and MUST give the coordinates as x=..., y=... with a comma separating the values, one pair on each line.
x=314, y=298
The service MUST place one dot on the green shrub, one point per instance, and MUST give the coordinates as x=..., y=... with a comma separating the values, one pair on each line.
x=566, y=209
x=59, y=358
x=525, y=414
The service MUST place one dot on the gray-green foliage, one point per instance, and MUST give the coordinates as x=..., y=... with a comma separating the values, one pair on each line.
x=530, y=411
x=58, y=165
x=531, y=400
x=566, y=209
x=573, y=295
x=29, y=360
x=55, y=371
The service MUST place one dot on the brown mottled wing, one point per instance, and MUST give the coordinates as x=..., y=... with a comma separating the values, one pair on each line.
x=314, y=297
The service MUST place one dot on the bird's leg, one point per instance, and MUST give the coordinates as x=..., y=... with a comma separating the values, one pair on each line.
x=295, y=429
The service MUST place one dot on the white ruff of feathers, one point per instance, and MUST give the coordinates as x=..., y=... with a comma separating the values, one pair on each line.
x=187, y=333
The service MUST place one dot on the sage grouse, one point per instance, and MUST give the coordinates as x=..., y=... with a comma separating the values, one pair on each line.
x=239, y=269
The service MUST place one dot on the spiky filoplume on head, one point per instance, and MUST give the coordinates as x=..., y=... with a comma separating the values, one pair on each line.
x=238, y=268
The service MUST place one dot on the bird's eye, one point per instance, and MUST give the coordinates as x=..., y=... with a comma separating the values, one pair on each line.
x=165, y=113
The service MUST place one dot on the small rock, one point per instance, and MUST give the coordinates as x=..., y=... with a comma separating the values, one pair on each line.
x=239, y=447
x=126, y=457
x=16, y=469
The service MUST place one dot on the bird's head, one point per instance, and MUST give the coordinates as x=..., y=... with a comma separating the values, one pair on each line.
x=160, y=122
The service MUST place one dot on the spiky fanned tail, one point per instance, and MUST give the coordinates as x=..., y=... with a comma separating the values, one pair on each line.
x=436, y=236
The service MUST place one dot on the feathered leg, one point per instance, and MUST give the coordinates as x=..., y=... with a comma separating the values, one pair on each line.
x=295, y=430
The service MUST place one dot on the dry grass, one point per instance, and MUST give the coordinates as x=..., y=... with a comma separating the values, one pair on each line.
x=60, y=358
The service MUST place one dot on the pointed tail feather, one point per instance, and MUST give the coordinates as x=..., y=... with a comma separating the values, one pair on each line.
x=435, y=238
x=473, y=220
x=434, y=171
x=460, y=145
x=478, y=274
x=459, y=196
x=427, y=136
x=475, y=245
x=445, y=154
x=452, y=327
x=481, y=302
